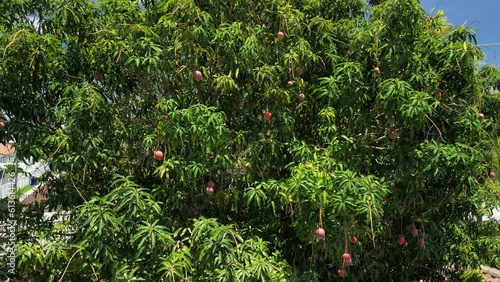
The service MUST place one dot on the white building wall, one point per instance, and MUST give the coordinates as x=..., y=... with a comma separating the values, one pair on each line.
x=32, y=170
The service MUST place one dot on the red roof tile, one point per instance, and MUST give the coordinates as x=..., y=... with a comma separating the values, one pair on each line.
x=39, y=195
x=7, y=149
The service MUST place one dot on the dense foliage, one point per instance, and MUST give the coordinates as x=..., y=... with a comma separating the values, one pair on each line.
x=361, y=119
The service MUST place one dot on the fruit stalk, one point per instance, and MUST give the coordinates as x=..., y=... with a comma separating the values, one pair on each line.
x=320, y=218
x=346, y=239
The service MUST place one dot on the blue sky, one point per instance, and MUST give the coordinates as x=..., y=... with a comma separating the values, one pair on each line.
x=482, y=15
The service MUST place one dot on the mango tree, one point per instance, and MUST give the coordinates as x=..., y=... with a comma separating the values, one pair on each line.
x=275, y=140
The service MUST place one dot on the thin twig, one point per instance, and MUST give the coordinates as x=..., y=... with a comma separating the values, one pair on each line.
x=380, y=138
x=67, y=265
x=93, y=271
x=77, y=190
x=12, y=42
x=487, y=44
x=371, y=223
x=440, y=134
